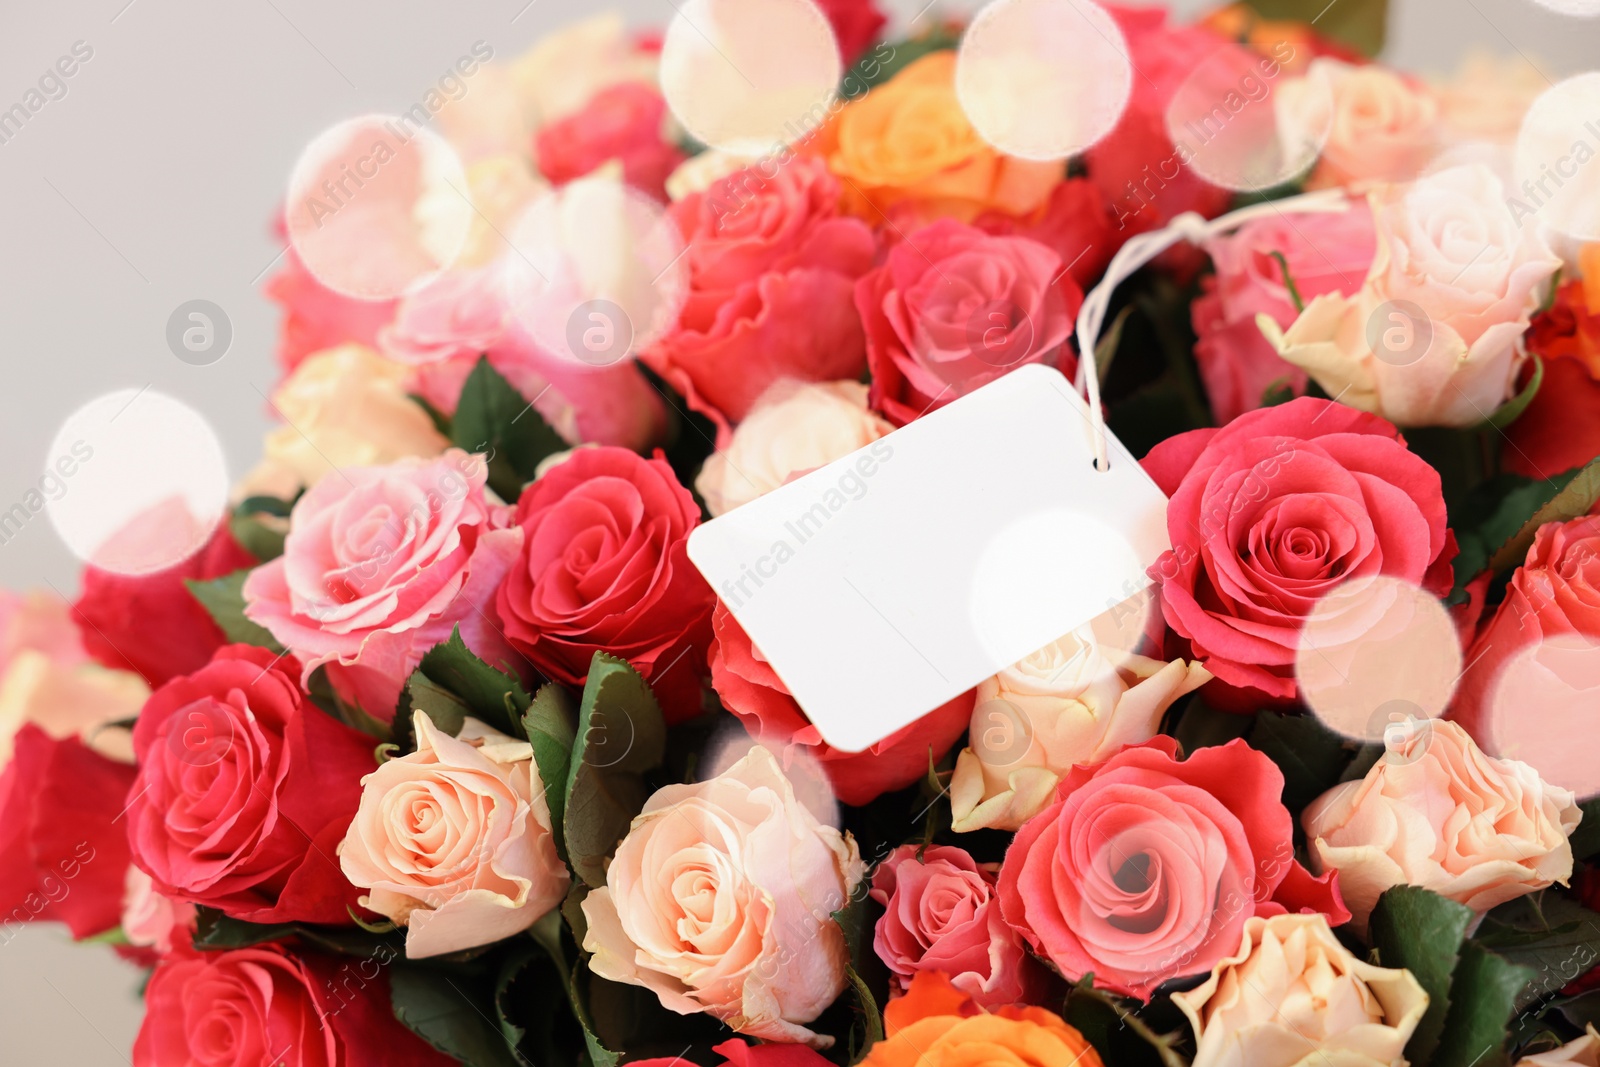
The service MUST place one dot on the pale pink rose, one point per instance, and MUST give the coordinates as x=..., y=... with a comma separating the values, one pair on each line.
x=461, y=313
x=1486, y=98
x=1580, y=1052
x=1434, y=335
x=1071, y=702
x=149, y=919
x=454, y=840
x=380, y=565
x=346, y=407
x=1294, y=996
x=1385, y=126
x=563, y=70
x=1437, y=812
x=941, y=914
x=794, y=428
x=1327, y=252
x=720, y=900
x=46, y=678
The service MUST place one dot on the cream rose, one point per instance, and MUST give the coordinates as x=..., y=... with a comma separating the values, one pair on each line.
x=1580, y=1052
x=720, y=900
x=344, y=407
x=1293, y=996
x=454, y=840
x=69, y=699
x=560, y=73
x=793, y=429
x=1437, y=812
x=1073, y=701
x=1434, y=336
x=1385, y=127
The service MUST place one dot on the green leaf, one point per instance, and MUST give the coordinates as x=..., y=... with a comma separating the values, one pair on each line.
x=322, y=694
x=492, y=417
x=1512, y=409
x=1311, y=756
x=451, y=683
x=1110, y=1024
x=1288, y=282
x=1491, y=516
x=511, y=966
x=891, y=57
x=1278, y=391
x=620, y=735
x=215, y=931
x=1361, y=24
x=1483, y=998
x=547, y=932
x=260, y=524
x=549, y=724
x=1585, y=840
x=867, y=1011
x=439, y=1007
x=1422, y=932
x=1554, y=936
x=1577, y=496
x=1202, y=726
x=224, y=599
x=1106, y=350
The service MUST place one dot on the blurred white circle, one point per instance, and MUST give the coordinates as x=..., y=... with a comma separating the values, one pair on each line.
x=1243, y=123
x=378, y=206
x=1376, y=643
x=1575, y=8
x=1555, y=170
x=135, y=482
x=596, y=270
x=749, y=76
x=1542, y=709
x=1043, y=79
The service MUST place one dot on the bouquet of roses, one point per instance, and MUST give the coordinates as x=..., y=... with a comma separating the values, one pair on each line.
x=438, y=748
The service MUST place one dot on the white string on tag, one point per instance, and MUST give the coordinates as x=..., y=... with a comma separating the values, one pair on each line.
x=1140, y=250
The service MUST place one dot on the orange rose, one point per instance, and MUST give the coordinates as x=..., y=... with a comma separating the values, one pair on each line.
x=907, y=148
x=936, y=1025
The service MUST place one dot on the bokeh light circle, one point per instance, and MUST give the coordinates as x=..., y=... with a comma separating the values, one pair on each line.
x=595, y=260
x=1556, y=167
x=1240, y=121
x=1374, y=644
x=377, y=207
x=1542, y=708
x=749, y=76
x=1582, y=9
x=135, y=482
x=1043, y=79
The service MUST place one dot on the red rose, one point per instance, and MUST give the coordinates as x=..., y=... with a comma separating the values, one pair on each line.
x=66, y=853
x=772, y=264
x=953, y=308
x=739, y=1053
x=604, y=567
x=751, y=689
x=316, y=318
x=245, y=790
x=264, y=1005
x=1136, y=164
x=1560, y=430
x=1274, y=512
x=855, y=25
x=1076, y=224
x=622, y=122
x=1146, y=867
x=151, y=624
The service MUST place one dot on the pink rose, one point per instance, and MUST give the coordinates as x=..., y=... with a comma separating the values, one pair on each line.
x=380, y=565
x=721, y=900
x=1274, y=512
x=459, y=314
x=316, y=318
x=953, y=308
x=1326, y=253
x=1147, y=867
x=771, y=266
x=152, y=920
x=624, y=122
x=496, y=872
x=1438, y=813
x=1434, y=336
x=1076, y=223
x=941, y=914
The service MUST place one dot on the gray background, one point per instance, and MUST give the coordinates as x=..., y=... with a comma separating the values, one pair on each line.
x=153, y=182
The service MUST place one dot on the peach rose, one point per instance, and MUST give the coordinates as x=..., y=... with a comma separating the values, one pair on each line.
x=344, y=407
x=1581, y=1052
x=1385, y=127
x=1436, y=812
x=794, y=428
x=1072, y=702
x=720, y=900
x=454, y=840
x=936, y=1025
x=1485, y=100
x=1293, y=996
x=1434, y=336
x=907, y=150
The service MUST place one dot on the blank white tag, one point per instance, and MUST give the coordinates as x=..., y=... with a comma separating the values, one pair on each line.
x=895, y=579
